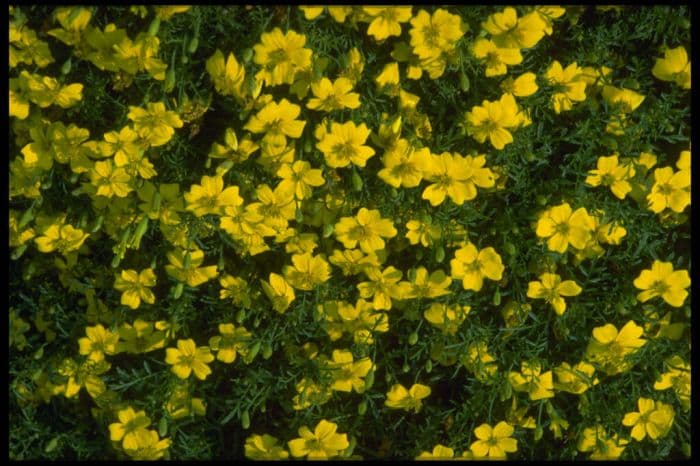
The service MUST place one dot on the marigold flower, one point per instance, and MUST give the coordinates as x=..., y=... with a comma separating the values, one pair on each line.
x=496, y=59
x=530, y=379
x=110, y=180
x=155, y=124
x=128, y=427
x=439, y=452
x=134, y=287
x=494, y=442
x=99, y=341
x=279, y=292
x=264, y=447
x=551, y=289
x=609, y=348
x=400, y=398
x=322, y=443
x=347, y=374
x=344, y=144
x=670, y=190
x=601, y=445
x=333, y=96
x=188, y=270
x=662, y=280
x=386, y=20
x=233, y=340
x=573, y=88
x=472, y=266
x=188, y=358
x=277, y=119
x=281, y=56
x=563, y=227
x=678, y=378
x=576, y=379
x=211, y=198
x=404, y=165
x=654, y=419
x=675, y=66
x=492, y=120
x=148, y=446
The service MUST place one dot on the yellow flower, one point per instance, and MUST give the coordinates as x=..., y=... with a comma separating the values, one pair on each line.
x=277, y=119
x=98, y=342
x=45, y=91
x=670, y=190
x=231, y=341
x=307, y=271
x=322, y=443
x=163, y=203
x=675, y=66
x=281, y=56
x=522, y=86
x=551, y=289
x=140, y=337
x=678, y=378
x=400, y=398
x=298, y=178
x=509, y=31
x=389, y=78
x=211, y=198
x=446, y=318
x=148, y=446
x=64, y=238
x=279, y=292
x=344, y=144
x=492, y=120
x=228, y=76
x=185, y=267
x=85, y=374
x=164, y=13
x=600, y=444
x=433, y=35
x=348, y=374
x=494, y=442
x=154, y=124
x=480, y=362
x=124, y=143
x=232, y=150
x=609, y=348
x=662, y=280
x=275, y=208
x=530, y=379
x=563, y=227
x=404, y=165
x=654, y=419
x=353, y=261
x=622, y=100
x=439, y=452
x=188, y=358
x=235, y=289
x=422, y=232
x=128, y=427
x=383, y=286
x=472, y=266
x=182, y=404
x=367, y=229
x=110, y=180
x=134, y=286
x=576, y=379
x=264, y=447
x=427, y=286
x=333, y=96
x=610, y=173
x=386, y=20
x=570, y=87
x=496, y=59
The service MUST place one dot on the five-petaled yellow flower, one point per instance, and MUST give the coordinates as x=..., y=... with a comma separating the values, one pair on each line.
x=367, y=229
x=344, y=144
x=400, y=398
x=471, y=266
x=494, y=442
x=135, y=287
x=188, y=358
x=653, y=419
x=323, y=443
x=551, y=289
x=662, y=280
